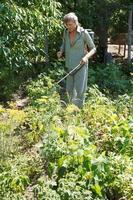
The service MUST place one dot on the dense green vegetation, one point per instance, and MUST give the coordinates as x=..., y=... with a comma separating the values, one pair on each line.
x=24, y=28
x=55, y=151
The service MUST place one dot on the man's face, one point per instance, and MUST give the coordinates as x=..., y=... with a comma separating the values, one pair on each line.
x=71, y=26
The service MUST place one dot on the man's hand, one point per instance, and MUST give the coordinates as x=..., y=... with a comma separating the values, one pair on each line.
x=84, y=60
x=88, y=56
x=59, y=54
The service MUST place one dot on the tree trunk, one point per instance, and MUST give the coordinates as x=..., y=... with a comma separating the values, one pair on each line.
x=129, y=35
x=102, y=34
x=46, y=45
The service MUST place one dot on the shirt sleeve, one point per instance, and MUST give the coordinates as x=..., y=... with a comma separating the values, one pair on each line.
x=88, y=40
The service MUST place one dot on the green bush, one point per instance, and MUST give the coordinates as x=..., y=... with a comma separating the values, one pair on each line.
x=25, y=31
x=111, y=79
x=88, y=152
x=10, y=120
x=67, y=152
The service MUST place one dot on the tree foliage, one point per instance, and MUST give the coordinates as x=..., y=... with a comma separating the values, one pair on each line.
x=22, y=30
x=23, y=26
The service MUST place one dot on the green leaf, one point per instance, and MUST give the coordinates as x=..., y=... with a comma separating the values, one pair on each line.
x=97, y=189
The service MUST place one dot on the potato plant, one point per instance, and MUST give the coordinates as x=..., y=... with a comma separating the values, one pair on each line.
x=64, y=152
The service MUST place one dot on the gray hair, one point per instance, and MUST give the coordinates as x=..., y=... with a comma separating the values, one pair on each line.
x=70, y=17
